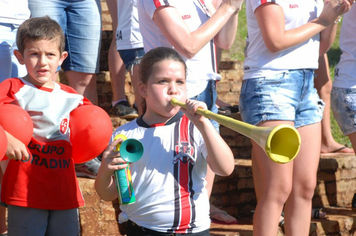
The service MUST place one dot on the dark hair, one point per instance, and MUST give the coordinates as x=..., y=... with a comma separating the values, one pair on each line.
x=39, y=28
x=154, y=56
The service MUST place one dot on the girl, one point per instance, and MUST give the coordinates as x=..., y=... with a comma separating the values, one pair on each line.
x=169, y=179
x=285, y=41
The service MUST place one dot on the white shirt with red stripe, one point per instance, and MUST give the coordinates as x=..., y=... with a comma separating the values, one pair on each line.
x=169, y=179
x=260, y=61
x=128, y=35
x=345, y=71
x=203, y=66
x=47, y=180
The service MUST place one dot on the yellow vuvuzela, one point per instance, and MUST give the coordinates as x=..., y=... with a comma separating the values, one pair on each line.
x=281, y=143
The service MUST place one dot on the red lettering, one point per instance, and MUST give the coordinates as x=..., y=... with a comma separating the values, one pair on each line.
x=186, y=17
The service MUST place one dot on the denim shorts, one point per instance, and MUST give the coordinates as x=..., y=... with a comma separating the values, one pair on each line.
x=209, y=96
x=343, y=105
x=131, y=57
x=9, y=65
x=288, y=96
x=81, y=24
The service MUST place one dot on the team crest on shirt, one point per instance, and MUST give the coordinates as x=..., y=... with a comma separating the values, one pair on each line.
x=63, y=126
x=184, y=152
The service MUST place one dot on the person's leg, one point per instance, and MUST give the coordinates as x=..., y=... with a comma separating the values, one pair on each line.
x=131, y=59
x=27, y=221
x=58, y=218
x=299, y=204
x=209, y=96
x=3, y=228
x=273, y=183
x=343, y=106
x=352, y=138
x=135, y=78
x=83, y=40
x=323, y=84
x=83, y=83
x=117, y=72
x=116, y=65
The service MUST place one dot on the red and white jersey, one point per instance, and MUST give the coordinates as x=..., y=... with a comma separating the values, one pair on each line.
x=169, y=179
x=345, y=71
x=203, y=66
x=261, y=62
x=47, y=180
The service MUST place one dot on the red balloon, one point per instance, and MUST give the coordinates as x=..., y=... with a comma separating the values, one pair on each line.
x=90, y=132
x=3, y=142
x=16, y=121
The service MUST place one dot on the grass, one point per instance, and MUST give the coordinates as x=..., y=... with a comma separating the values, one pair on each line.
x=236, y=53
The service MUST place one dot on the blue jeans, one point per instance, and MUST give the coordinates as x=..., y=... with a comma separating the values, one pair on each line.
x=289, y=96
x=9, y=65
x=81, y=24
x=209, y=96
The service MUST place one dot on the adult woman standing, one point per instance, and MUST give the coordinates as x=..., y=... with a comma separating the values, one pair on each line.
x=285, y=41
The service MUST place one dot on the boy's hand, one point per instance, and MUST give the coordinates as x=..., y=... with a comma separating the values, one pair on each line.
x=111, y=160
x=16, y=150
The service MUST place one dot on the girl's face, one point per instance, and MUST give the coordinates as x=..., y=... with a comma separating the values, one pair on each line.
x=166, y=81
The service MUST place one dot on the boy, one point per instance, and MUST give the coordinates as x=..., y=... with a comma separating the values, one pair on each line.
x=39, y=185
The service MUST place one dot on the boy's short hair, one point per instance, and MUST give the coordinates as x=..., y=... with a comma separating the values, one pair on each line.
x=39, y=28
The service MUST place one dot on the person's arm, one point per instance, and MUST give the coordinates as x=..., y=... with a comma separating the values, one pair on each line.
x=112, y=7
x=327, y=38
x=16, y=149
x=220, y=157
x=189, y=43
x=104, y=183
x=270, y=18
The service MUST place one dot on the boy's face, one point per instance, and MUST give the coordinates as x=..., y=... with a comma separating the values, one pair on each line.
x=166, y=81
x=41, y=59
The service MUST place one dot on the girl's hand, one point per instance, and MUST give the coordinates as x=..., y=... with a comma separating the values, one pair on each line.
x=236, y=4
x=334, y=9
x=191, y=109
x=16, y=150
x=111, y=160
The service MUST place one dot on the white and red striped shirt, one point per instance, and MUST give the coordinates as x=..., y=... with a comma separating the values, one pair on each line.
x=169, y=179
